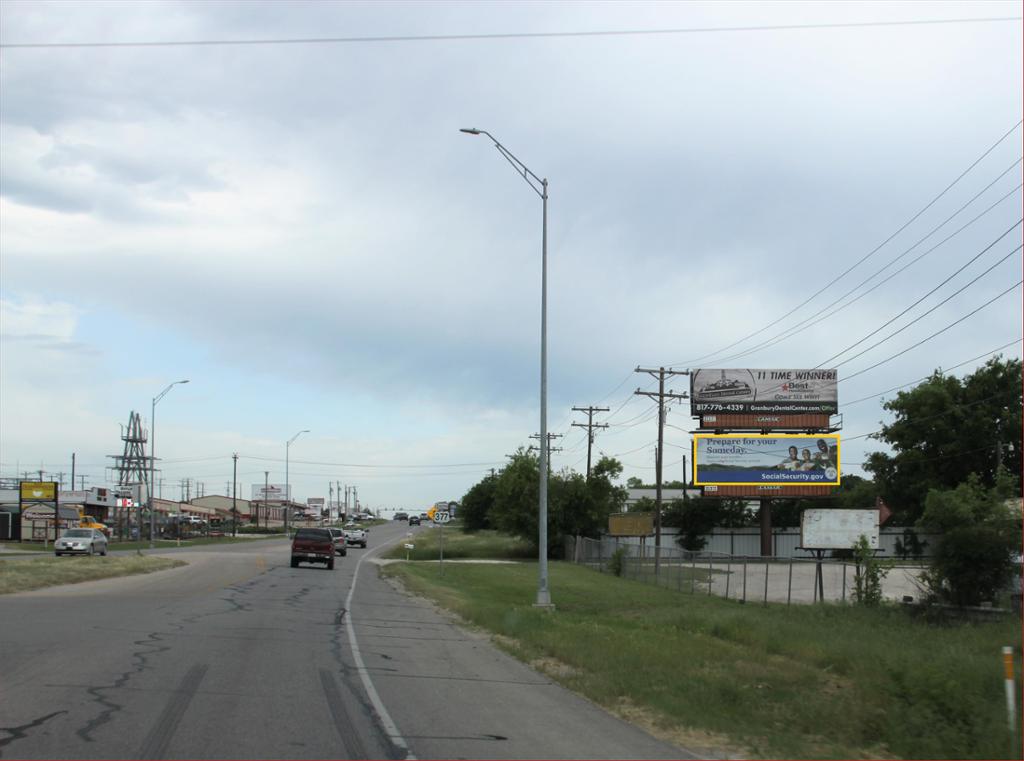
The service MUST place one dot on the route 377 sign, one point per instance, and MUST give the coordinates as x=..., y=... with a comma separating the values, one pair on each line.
x=442, y=516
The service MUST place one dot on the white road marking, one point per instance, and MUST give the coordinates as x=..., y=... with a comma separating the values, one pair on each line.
x=378, y=705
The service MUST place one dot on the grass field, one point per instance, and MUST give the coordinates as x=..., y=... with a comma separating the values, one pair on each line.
x=825, y=681
x=461, y=546
x=36, y=573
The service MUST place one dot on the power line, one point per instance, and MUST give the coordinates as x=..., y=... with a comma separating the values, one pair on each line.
x=812, y=320
x=502, y=35
x=919, y=380
x=929, y=311
x=367, y=465
x=864, y=258
x=937, y=333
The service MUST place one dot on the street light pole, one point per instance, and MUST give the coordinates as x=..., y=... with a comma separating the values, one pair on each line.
x=152, y=461
x=287, y=489
x=540, y=187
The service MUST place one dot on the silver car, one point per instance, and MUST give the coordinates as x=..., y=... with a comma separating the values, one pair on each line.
x=81, y=541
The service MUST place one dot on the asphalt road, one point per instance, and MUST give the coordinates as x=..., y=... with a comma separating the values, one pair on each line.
x=237, y=655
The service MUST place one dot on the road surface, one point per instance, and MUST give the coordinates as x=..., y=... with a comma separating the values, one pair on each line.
x=237, y=655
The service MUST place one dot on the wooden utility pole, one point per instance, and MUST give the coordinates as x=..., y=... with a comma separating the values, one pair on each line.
x=590, y=425
x=234, y=495
x=551, y=437
x=661, y=395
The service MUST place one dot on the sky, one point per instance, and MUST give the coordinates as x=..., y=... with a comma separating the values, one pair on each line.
x=301, y=231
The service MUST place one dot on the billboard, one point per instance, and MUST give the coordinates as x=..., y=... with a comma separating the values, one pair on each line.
x=631, y=524
x=778, y=391
x=38, y=491
x=274, y=492
x=837, y=529
x=752, y=459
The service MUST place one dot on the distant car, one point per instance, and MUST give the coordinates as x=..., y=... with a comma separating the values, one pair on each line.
x=424, y=517
x=340, y=543
x=414, y=520
x=81, y=541
x=355, y=536
x=401, y=516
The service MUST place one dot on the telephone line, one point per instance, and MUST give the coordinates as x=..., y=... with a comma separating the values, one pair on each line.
x=922, y=315
x=866, y=256
x=937, y=333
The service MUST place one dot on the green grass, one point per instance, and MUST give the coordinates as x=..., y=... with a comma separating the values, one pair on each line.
x=24, y=575
x=825, y=681
x=460, y=546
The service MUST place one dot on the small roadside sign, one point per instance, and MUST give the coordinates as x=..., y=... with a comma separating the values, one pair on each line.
x=410, y=546
x=442, y=517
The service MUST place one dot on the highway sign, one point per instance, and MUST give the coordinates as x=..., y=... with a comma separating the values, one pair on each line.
x=442, y=516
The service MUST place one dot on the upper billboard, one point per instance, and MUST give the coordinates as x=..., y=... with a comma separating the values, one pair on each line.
x=754, y=459
x=776, y=392
x=270, y=492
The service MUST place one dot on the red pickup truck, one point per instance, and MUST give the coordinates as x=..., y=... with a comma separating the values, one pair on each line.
x=313, y=545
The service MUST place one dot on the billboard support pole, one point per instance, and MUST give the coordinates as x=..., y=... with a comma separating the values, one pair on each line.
x=766, y=528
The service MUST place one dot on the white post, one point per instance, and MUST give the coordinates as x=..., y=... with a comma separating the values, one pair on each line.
x=1011, y=708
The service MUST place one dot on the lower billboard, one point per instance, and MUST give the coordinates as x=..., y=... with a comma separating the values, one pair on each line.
x=767, y=491
x=761, y=460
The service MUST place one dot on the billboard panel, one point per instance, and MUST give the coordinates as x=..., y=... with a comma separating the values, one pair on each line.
x=755, y=459
x=630, y=524
x=773, y=391
x=768, y=491
x=837, y=529
x=732, y=422
x=38, y=491
x=274, y=492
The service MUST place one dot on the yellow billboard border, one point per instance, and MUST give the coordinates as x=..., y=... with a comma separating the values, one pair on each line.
x=839, y=467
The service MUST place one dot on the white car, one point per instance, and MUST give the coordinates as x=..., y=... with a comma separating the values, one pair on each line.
x=80, y=541
x=355, y=536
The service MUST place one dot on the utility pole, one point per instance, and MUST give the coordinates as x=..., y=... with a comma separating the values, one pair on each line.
x=234, y=495
x=355, y=499
x=551, y=437
x=72, y=471
x=266, y=494
x=330, y=499
x=60, y=479
x=590, y=425
x=82, y=479
x=661, y=373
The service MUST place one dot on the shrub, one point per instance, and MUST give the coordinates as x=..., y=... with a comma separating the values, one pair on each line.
x=867, y=579
x=617, y=561
x=971, y=564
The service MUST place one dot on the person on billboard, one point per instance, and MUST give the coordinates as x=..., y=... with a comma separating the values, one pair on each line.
x=825, y=456
x=806, y=463
x=790, y=463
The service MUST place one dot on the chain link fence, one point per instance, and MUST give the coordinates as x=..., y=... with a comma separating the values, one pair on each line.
x=748, y=578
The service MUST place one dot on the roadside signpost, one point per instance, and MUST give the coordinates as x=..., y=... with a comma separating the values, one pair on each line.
x=440, y=517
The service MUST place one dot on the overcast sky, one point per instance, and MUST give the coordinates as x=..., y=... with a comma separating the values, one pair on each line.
x=302, y=232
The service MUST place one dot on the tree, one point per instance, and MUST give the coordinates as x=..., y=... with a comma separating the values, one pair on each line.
x=696, y=517
x=981, y=535
x=634, y=483
x=945, y=429
x=475, y=508
x=853, y=493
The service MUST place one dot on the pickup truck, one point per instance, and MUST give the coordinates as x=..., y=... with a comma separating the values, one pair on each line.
x=313, y=545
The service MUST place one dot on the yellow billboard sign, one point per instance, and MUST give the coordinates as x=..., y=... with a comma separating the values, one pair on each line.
x=38, y=491
x=631, y=524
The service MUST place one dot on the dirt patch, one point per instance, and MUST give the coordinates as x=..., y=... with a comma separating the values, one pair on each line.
x=553, y=668
x=704, y=744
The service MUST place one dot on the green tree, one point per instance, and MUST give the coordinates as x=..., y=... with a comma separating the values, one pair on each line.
x=945, y=429
x=475, y=507
x=853, y=493
x=981, y=535
x=696, y=517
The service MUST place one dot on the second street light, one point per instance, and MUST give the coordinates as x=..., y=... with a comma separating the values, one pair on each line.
x=152, y=461
x=287, y=489
x=540, y=187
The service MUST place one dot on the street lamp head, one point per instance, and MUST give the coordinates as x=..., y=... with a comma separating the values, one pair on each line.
x=183, y=381
x=472, y=131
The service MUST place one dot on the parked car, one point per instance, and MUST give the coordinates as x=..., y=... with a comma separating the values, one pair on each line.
x=340, y=545
x=401, y=516
x=355, y=536
x=313, y=545
x=81, y=541
x=414, y=520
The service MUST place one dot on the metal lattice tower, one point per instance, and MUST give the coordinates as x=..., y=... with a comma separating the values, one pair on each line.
x=133, y=466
